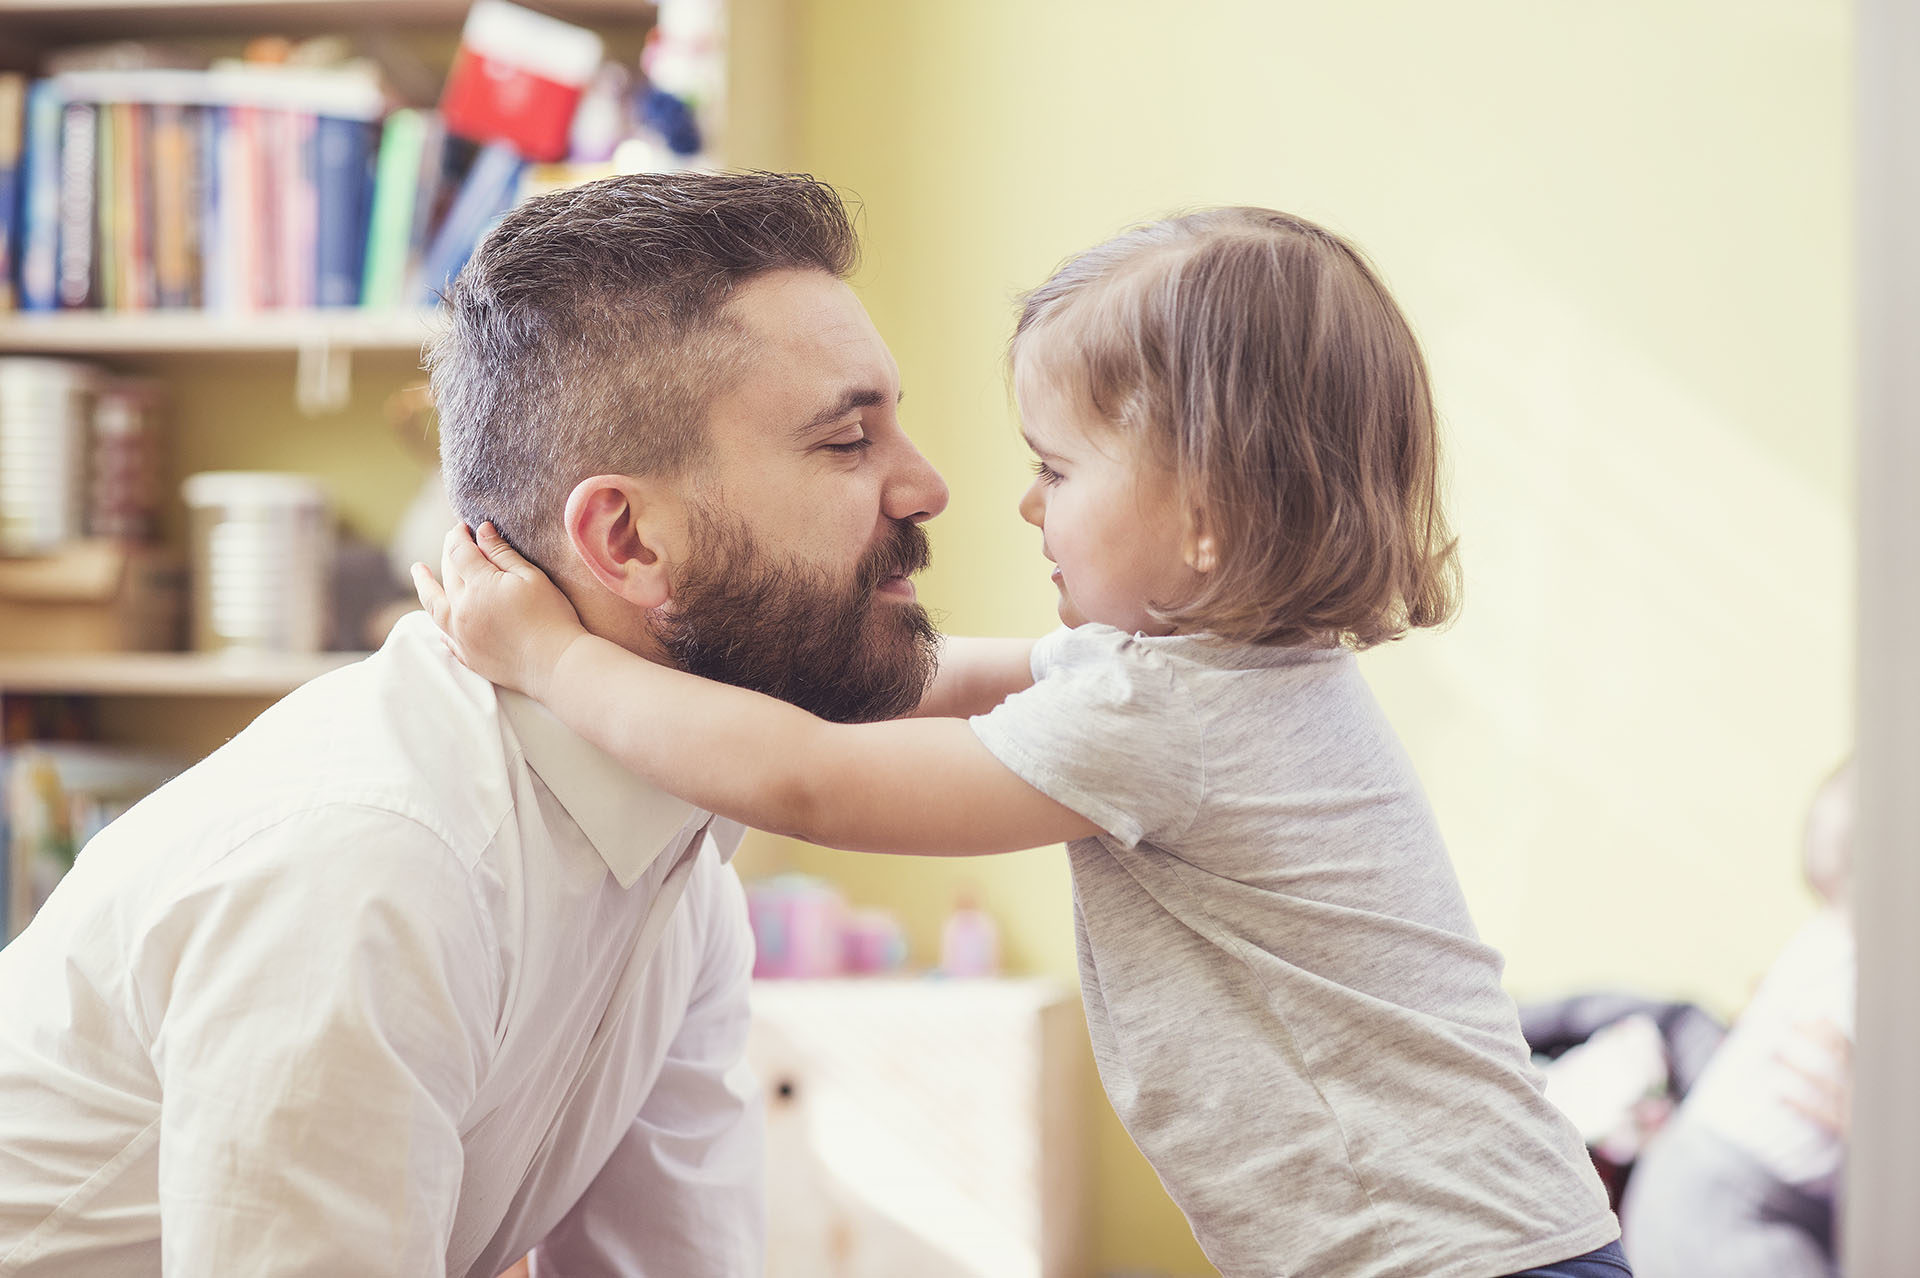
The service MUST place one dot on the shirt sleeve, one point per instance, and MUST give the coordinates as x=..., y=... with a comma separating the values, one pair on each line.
x=320, y=1004
x=1107, y=730
x=684, y=1193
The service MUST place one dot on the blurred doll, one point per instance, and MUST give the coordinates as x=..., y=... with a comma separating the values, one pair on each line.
x=1742, y=1183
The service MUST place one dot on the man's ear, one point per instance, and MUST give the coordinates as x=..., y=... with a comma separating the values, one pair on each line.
x=625, y=531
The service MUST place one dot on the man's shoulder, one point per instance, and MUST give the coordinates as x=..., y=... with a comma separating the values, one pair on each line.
x=396, y=739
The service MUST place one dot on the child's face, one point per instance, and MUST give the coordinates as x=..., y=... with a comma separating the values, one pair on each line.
x=1108, y=518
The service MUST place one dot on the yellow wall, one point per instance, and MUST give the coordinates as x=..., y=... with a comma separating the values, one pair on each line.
x=1622, y=231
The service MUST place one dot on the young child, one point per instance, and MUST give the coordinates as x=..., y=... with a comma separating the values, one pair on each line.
x=1237, y=482
x=1745, y=1178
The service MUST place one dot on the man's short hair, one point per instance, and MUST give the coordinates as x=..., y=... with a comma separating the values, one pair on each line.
x=588, y=333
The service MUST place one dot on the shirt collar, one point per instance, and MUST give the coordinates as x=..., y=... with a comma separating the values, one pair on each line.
x=630, y=822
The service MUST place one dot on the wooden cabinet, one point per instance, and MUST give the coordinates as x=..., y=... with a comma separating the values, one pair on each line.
x=924, y=1127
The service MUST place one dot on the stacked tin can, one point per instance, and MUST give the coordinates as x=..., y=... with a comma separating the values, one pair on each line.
x=45, y=411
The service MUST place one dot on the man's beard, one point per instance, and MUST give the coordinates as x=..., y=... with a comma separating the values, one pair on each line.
x=791, y=632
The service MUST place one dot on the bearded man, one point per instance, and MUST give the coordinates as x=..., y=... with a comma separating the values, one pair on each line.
x=407, y=978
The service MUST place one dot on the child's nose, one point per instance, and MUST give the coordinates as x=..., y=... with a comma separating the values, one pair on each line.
x=1033, y=504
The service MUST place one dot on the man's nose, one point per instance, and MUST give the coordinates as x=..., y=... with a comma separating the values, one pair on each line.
x=915, y=492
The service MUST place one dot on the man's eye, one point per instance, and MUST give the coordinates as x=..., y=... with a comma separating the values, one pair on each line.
x=859, y=445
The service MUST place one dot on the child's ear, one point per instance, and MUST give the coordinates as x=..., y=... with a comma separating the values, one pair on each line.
x=623, y=531
x=1199, y=548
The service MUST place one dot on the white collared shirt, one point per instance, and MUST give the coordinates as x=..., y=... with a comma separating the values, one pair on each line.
x=405, y=979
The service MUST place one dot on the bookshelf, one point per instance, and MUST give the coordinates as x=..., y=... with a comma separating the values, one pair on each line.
x=168, y=674
x=47, y=22
x=222, y=360
x=90, y=333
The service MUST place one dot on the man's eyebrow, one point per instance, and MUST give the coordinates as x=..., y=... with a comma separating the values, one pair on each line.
x=860, y=397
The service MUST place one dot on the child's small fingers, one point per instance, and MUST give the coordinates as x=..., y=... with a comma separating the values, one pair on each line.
x=432, y=598
x=460, y=558
x=504, y=556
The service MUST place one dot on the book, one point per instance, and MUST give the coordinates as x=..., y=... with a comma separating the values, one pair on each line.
x=107, y=232
x=208, y=185
x=13, y=128
x=133, y=248
x=397, y=188
x=290, y=233
x=491, y=186
x=54, y=799
x=208, y=141
x=343, y=151
x=40, y=201
x=77, y=286
x=174, y=251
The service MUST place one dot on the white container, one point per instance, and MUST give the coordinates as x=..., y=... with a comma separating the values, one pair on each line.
x=45, y=406
x=262, y=550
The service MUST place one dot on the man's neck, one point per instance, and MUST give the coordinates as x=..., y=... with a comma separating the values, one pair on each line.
x=614, y=619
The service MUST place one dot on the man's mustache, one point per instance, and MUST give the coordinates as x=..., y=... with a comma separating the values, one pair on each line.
x=905, y=552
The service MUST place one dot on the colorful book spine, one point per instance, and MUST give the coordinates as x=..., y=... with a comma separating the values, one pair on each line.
x=490, y=189
x=264, y=173
x=174, y=269
x=13, y=128
x=78, y=140
x=40, y=201
x=396, y=184
x=299, y=210
x=208, y=142
x=343, y=150
x=136, y=214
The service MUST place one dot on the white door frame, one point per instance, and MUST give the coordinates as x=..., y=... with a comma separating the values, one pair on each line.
x=1882, y=1226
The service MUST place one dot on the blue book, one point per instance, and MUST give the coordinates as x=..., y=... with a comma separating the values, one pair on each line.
x=40, y=201
x=489, y=191
x=343, y=157
x=213, y=232
x=13, y=128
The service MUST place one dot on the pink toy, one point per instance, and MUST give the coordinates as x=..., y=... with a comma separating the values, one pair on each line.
x=874, y=942
x=970, y=943
x=797, y=927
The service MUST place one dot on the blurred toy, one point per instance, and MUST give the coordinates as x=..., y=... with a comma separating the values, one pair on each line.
x=517, y=78
x=969, y=943
x=874, y=942
x=797, y=925
x=601, y=120
x=673, y=119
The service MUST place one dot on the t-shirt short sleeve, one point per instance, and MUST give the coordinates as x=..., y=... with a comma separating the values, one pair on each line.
x=1107, y=730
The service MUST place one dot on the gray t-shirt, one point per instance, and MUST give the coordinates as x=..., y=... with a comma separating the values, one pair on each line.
x=1288, y=1004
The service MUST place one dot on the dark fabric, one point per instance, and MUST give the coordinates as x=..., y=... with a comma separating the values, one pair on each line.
x=1691, y=1035
x=1699, y=1208
x=1608, y=1262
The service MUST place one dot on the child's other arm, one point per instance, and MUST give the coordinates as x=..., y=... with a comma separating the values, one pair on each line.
x=975, y=675
x=920, y=786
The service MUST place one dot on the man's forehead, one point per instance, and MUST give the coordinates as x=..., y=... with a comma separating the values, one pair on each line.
x=813, y=330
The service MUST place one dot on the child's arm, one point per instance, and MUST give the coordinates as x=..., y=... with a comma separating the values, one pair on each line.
x=923, y=786
x=975, y=675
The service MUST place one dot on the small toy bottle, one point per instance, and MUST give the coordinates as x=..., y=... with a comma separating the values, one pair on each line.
x=969, y=943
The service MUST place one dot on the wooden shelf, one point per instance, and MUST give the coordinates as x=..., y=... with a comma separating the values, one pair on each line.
x=48, y=21
x=200, y=332
x=169, y=674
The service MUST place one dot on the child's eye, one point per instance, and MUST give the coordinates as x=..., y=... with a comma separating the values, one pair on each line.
x=1047, y=474
x=859, y=445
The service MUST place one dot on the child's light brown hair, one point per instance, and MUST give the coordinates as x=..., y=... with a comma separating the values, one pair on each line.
x=1259, y=359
